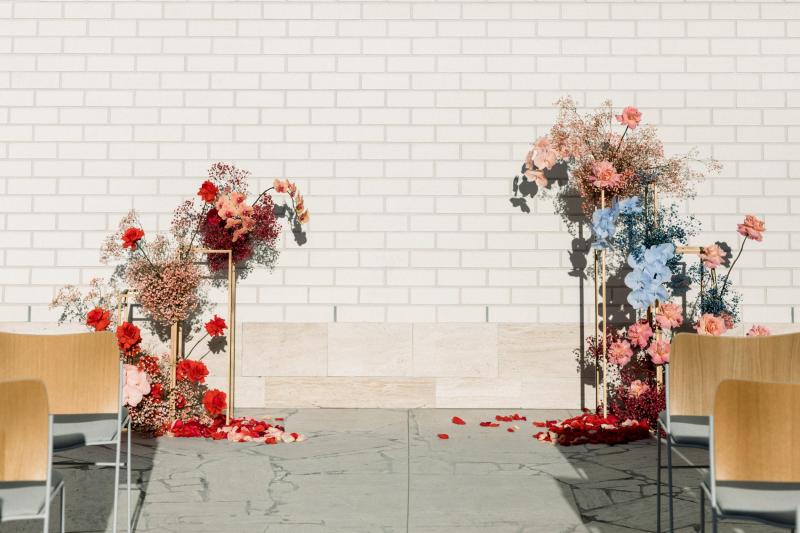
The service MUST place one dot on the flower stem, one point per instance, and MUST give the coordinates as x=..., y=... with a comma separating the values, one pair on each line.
x=262, y=194
x=620, y=142
x=195, y=345
x=728, y=274
x=144, y=254
x=196, y=229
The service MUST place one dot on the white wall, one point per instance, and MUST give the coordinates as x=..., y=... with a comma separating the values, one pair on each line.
x=404, y=122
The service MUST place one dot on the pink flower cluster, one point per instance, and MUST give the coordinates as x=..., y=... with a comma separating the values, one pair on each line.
x=711, y=325
x=540, y=157
x=136, y=386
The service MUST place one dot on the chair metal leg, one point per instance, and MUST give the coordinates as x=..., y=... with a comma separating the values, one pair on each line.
x=658, y=480
x=669, y=484
x=129, y=475
x=116, y=480
x=63, y=506
x=713, y=518
x=46, y=524
x=702, y=510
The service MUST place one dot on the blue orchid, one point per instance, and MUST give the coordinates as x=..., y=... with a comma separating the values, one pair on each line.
x=604, y=220
x=628, y=206
x=650, y=273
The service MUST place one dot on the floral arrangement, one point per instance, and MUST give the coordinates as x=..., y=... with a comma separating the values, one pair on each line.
x=170, y=287
x=618, y=168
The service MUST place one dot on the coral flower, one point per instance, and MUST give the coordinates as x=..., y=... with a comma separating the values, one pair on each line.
x=638, y=388
x=604, y=175
x=659, y=352
x=216, y=326
x=303, y=217
x=712, y=256
x=545, y=157
x=710, y=325
x=208, y=192
x=759, y=331
x=669, y=316
x=280, y=185
x=137, y=385
x=214, y=401
x=98, y=318
x=131, y=237
x=194, y=371
x=620, y=353
x=640, y=333
x=752, y=228
x=630, y=117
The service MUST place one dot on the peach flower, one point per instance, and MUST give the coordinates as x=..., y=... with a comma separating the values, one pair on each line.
x=640, y=333
x=710, y=325
x=669, y=316
x=237, y=214
x=280, y=185
x=620, y=353
x=545, y=156
x=712, y=256
x=659, y=352
x=759, y=331
x=752, y=228
x=638, y=388
x=630, y=117
x=136, y=386
x=604, y=175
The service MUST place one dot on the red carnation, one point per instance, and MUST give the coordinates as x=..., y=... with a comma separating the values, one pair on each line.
x=156, y=392
x=128, y=337
x=131, y=237
x=214, y=402
x=208, y=192
x=194, y=371
x=216, y=326
x=98, y=318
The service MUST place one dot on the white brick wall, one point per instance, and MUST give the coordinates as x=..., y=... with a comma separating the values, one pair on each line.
x=402, y=120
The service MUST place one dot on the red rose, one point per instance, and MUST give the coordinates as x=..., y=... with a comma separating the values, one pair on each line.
x=156, y=393
x=128, y=337
x=214, y=402
x=216, y=326
x=98, y=318
x=208, y=192
x=194, y=371
x=131, y=237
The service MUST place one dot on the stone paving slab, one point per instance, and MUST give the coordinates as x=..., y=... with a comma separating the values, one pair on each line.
x=385, y=471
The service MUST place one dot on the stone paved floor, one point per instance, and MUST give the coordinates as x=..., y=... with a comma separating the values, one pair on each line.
x=365, y=470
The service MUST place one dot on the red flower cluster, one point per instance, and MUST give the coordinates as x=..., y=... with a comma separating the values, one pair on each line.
x=208, y=192
x=194, y=371
x=216, y=326
x=215, y=401
x=129, y=337
x=98, y=318
x=131, y=237
x=592, y=429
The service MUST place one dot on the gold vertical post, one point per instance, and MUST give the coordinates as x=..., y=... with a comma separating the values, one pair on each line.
x=596, y=337
x=231, y=335
x=174, y=354
x=605, y=320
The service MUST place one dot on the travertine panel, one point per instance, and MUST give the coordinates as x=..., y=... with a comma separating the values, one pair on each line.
x=478, y=392
x=526, y=350
x=284, y=349
x=455, y=350
x=363, y=349
x=556, y=393
x=349, y=392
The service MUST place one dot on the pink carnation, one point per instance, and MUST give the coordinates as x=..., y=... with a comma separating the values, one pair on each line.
x=620, y=353
x=137, y=385
x=759, y=331
x=630, y=117
x=669, y=316
x=604, y=175
x=638, y=388
x=659, y=352
x=710, y=325
x=640, y=333
x=752, y=228
x=712, y=256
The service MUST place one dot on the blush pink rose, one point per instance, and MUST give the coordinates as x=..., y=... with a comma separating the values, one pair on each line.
x=659, y=352
x=620, y=353
x=752, y=228
x=604, y=175
x=136, y=386
x=712, y=256
x=640, y=333
x=710, y=325
x=669, y=316
x=630, y=117
x=759, y=331
x=638, y=388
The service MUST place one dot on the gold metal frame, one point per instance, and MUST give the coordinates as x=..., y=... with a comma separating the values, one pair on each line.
x=176, y=344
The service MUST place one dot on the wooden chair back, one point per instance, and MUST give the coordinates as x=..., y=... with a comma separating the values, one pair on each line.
x=756, y=431
x=81, y=371
x=24, y=431
x=699, y=363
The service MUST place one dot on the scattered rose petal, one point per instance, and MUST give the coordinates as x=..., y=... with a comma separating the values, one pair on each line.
x=443, y=436
x=489, y=424
x=458, y=421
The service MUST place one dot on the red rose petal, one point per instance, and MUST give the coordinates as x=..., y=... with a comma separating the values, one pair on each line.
x=511, y=430
x=458, y=421
x=443, y=436
x=489, y=424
